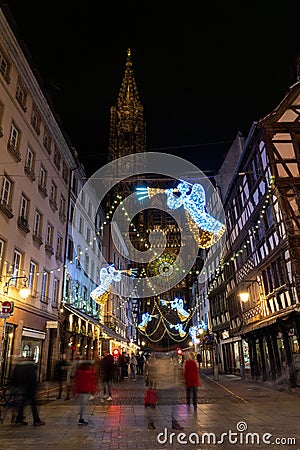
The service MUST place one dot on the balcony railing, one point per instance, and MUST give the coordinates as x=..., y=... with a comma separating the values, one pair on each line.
x=6, y=208
x=23, y=224
x=37, y=238
x=14, y=151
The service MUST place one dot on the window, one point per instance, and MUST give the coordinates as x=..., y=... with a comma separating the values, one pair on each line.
x=59, y=246
x=23, y=216
x=6, y=191
x=24, y=205
x=55, y=292
x=16, y=266
x=70, y=249
x=29, y=164
x=37, y=223
x=79, y=253
x=47, y=141
x=29, y=159
x=62, y=208
x=80, y=225
x=4, y=67
x=53, y=195
x=57, y=158
x=35, y=120
x=86, y=263
x=92, y=273
x=88, y=235
x=49, y=235
x=45, y=286
x=13, y=142
x=33, y=269
x=21, y=95
x=43, y=182
x=43, y=177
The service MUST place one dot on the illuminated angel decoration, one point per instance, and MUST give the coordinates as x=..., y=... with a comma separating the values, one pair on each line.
x=107, y=276
x=146, y=317
x=179, y=328
x=195, y=330
x=177, y=304
x=206, y=229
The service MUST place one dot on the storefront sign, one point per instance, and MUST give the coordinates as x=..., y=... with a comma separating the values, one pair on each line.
x=51, y=324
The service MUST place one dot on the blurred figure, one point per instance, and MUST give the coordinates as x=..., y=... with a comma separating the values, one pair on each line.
x=164, y=375
x=141, y=364
x=124, y=361
x=199, y=359
x=24, y=381
x=133, y=366
x=61, y=375
x=191, y=379
x=107, y=370
x=85, y=384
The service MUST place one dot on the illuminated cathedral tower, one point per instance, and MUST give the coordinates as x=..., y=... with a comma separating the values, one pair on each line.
x=128, y=137
x=127, y=126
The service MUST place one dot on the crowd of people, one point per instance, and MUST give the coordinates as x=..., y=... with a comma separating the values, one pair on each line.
x=81, y=379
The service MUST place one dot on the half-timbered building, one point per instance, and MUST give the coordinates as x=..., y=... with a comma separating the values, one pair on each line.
x=254, y=295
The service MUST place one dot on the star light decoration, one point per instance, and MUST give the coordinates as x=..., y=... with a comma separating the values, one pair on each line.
x=108, y=275
x=205, y=229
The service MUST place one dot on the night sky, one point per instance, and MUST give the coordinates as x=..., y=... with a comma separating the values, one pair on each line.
x=202, y=75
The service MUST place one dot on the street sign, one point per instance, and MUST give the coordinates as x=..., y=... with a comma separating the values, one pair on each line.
x=6, y=308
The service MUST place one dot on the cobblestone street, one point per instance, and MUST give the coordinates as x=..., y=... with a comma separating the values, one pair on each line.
x=228, y=404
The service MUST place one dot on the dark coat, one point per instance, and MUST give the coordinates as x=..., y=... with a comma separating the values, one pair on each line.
x=107, y=367
x=24, y=378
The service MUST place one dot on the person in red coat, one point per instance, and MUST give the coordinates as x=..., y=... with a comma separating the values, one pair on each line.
x=191, y=378
x=85, y=384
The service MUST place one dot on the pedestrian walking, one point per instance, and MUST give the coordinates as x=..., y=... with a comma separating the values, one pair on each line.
x=24, y=382
x=61, y=375
x=199, y=359
x=141, y=364
x=124, y=361
x=163, y=372
x=85, y=384
x=191, y=379
x=107, y=372
x=133, y=366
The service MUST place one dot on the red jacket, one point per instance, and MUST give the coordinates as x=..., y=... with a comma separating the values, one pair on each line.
x=85, y=379
x=191, y=373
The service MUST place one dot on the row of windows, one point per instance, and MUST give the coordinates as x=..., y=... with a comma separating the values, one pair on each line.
x=21, y=96
x=15, y=270
x=6, y=201
x=37, y=221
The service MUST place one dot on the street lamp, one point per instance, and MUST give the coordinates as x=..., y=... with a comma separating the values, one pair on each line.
x=24, y=291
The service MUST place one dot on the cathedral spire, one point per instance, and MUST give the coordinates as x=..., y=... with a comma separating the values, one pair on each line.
x=127, y=126
x=128, y=92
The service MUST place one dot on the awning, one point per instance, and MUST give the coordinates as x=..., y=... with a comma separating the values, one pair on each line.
x=36, y=334
x=268, y=321
x=96, y=322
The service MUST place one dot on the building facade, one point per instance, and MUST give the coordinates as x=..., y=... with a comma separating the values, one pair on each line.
x=254, y=294
x=36, y=159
